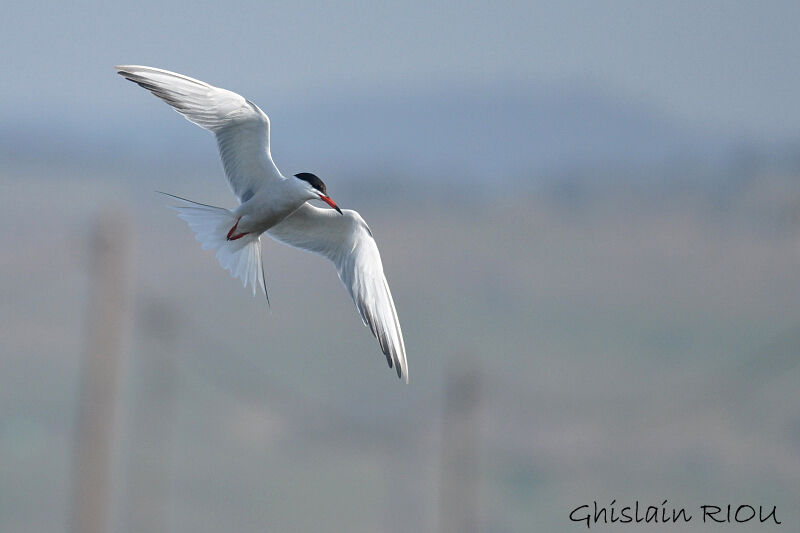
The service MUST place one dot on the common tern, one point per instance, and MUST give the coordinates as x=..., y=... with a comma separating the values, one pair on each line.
x=274, y=204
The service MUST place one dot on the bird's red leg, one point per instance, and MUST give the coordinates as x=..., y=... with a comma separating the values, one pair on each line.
x=231, y=236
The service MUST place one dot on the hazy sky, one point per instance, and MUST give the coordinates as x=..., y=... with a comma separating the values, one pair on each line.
x=718, y=65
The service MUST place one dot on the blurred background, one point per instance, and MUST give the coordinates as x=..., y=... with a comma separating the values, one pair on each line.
x=589, y=215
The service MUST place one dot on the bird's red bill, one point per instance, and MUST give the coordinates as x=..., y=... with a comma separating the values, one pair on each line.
x=327, y=200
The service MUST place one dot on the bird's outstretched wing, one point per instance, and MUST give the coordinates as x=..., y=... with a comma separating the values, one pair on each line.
x=348, y=243
x=241, y=128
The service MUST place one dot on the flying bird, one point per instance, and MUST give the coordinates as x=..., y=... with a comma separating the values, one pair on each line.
x=274, y=204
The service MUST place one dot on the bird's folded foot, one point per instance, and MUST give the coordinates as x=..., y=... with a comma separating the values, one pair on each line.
x=232, y=235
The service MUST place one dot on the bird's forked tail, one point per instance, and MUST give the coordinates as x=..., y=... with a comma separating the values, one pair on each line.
x=212, y=226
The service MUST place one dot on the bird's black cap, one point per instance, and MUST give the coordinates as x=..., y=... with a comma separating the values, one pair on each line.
x=313, y=180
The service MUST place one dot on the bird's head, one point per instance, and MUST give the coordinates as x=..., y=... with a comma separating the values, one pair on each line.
x=317, y=188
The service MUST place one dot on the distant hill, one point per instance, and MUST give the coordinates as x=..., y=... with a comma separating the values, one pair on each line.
x=457, y=133
x=473, y=132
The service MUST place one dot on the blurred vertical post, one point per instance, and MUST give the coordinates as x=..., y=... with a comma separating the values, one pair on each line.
x=107, y=319
x=459, y=509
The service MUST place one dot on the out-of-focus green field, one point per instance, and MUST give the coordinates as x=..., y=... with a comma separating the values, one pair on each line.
x=632, y=342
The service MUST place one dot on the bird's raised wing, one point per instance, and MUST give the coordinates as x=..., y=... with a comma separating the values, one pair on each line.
x=241, y=128
x=347, y=241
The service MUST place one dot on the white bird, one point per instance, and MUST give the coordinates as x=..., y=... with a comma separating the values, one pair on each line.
x=272, y=203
